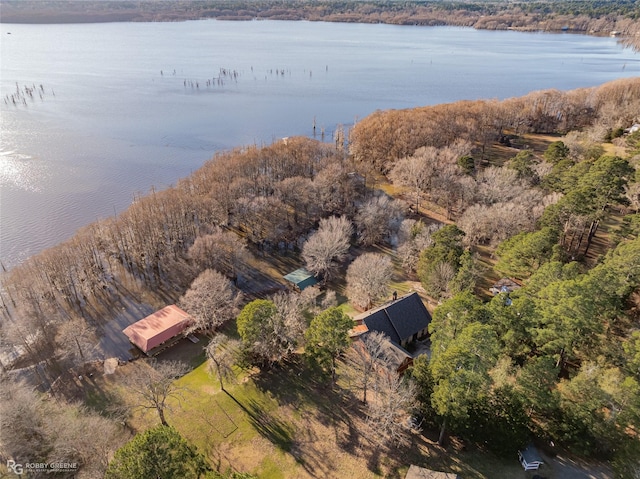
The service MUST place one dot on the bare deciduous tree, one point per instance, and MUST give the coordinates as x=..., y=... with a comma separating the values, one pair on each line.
x=413, y=237
x=24, y=432
x=77, y=341
x=300, y=195
x=210, y=301
x=55, y=431
x=335, y=189
x=579, y=144
x=264, y=219
x=221, y=352
x=363, y=358
x=440, y=277
x=221, y=250
x=368, y=279
x=497, y=185
x=389, y=411
x=308, y=298
x=377, y=219
x=28, y=340
x=273, y=330
x=83, y=437
x=289, y=323
x=632, y=192
x=492, y=224
x=412, y=172
x=329, y=301
x=328, y=246
x=435, y=171
x=153, y=384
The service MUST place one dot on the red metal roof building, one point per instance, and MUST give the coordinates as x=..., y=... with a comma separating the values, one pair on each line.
x=158, y=328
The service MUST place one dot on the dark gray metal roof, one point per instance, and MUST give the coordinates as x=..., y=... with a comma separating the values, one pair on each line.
x=399, y=319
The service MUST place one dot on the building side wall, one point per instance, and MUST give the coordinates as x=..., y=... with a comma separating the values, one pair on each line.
x=165, y=335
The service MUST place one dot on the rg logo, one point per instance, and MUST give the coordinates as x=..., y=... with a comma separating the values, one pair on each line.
x=15, y=467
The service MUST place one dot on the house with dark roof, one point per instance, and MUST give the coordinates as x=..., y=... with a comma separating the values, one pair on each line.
x=399, y=358
x=403, y=320
x=396, y=357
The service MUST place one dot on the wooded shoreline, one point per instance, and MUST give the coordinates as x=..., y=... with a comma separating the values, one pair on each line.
x=618, y=18
x=546, y=183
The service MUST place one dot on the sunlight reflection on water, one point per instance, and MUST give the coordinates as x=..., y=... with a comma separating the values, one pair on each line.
x=20, y=171
x=124, y=116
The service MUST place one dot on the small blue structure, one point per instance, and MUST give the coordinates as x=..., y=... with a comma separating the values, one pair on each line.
x=301, y=278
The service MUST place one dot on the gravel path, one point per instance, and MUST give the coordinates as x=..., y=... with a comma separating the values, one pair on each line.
x=565, y=468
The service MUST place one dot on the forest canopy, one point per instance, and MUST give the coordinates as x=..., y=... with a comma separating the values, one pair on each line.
x=450, y=197
x=594, y=17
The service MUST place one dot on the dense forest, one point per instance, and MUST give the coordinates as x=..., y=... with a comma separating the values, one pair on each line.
x=593, y=17
x=558, y=358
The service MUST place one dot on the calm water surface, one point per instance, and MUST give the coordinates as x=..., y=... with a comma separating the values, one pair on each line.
x=120, y=107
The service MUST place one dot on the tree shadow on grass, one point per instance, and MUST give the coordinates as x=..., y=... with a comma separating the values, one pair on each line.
x=311, y=393
x=272, y=428
x=290, y=383
x=186, y=351
x=103, y=400
x=349, y=441
x=298, y=384
x=310, y=455
x=316, y=400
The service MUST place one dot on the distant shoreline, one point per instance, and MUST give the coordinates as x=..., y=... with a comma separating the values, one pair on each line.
x=621, y=18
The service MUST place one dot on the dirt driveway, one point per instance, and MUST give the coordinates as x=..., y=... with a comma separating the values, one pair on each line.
x=562, y=467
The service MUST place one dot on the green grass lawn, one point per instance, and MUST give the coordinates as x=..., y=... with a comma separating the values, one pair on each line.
x=287, y=423
x=220, y=423
x=253, y=426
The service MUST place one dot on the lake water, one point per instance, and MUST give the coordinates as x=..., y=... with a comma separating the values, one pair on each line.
x=117, y=108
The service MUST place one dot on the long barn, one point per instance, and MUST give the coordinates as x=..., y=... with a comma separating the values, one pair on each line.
x=155, y=330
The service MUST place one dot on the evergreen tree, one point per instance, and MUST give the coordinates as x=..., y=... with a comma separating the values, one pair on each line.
x=160, y=452
x=461, y=373
x=327, y=337
x=446, y=250
x=523, y=253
